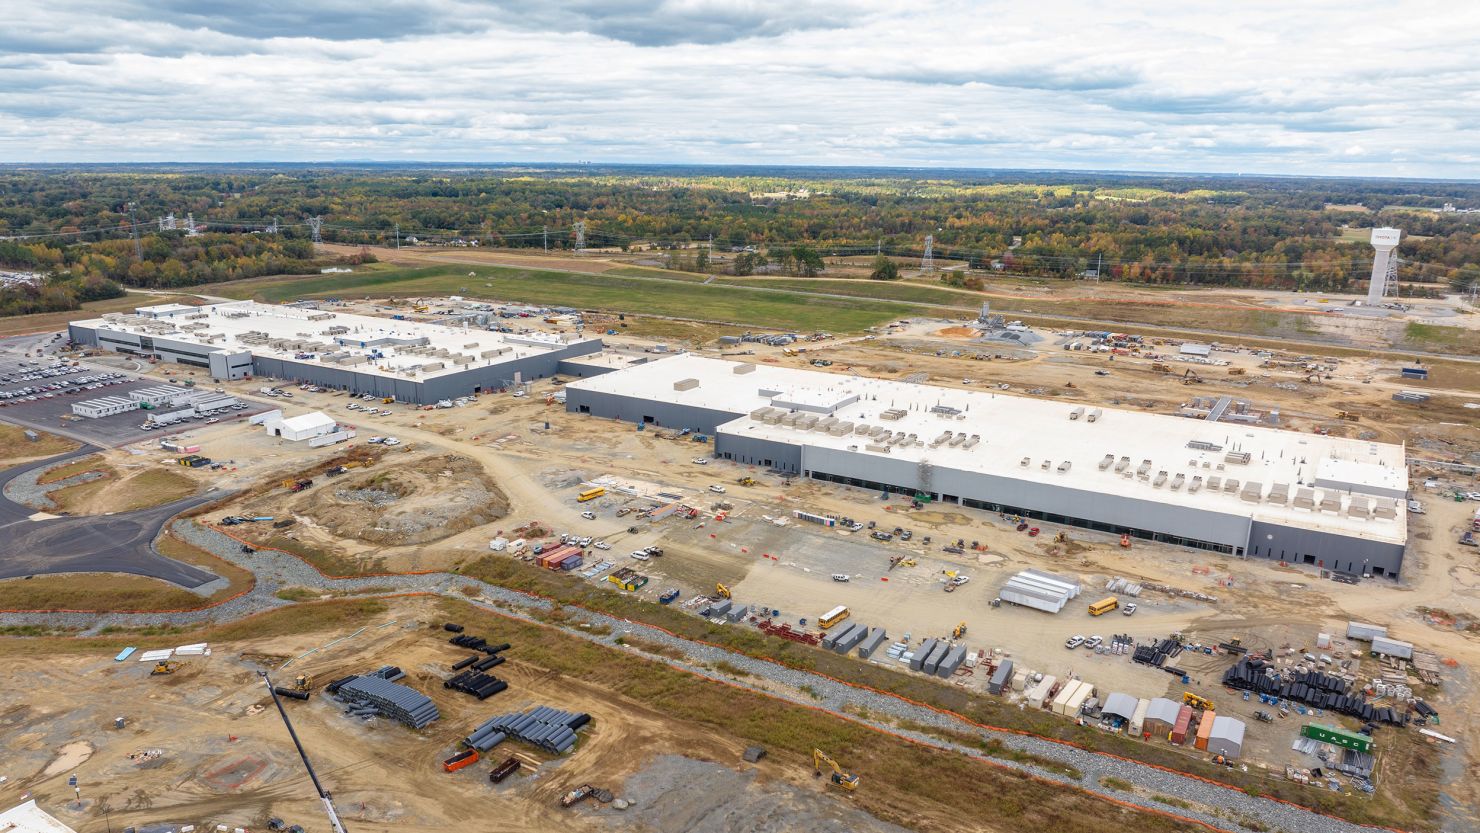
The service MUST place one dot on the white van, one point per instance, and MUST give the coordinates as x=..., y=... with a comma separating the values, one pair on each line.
x=517, y=545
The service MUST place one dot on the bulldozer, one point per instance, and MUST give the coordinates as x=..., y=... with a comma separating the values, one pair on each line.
x=746, y=481
x=723, y=591
x=839, y=778
x=959, y=632
x=1197, y=702
x=302, y=682
x=163, y=668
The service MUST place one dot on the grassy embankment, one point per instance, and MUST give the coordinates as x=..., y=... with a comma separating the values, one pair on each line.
x=15, y=448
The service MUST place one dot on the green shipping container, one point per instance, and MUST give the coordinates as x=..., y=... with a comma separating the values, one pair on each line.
x=1337, y=737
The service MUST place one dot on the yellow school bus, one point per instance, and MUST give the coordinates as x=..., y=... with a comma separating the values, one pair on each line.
x=1104, y=606
x=591, y=494
x=832, y=617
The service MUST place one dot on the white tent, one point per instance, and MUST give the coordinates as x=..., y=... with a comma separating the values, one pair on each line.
x=1227, y=738
x=304, y=427
x=1120, y=705
x=28, y=818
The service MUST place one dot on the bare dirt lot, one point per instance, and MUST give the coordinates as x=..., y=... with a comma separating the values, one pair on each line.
x=417, y=501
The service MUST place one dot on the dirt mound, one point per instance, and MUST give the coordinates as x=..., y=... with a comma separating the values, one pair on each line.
x=958, y=332
x=415, y=501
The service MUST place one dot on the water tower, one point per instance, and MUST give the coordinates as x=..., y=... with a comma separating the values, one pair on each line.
x=1384, y=240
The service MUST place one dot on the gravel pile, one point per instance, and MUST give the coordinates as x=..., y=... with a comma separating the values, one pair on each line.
x=26, y=491
x=275, y=570
x=374, y=497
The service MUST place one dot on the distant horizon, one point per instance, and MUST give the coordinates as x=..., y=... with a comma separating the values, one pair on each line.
x=427, y=164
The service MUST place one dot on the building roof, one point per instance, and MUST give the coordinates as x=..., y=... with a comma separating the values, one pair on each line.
x=309, y=422
x=28, y=818
x=1102, y=450
x=1193, y=349
x=1230, y=729
x=164, y=309
x=1163, y=709
x=1120, y=705
x=409, y=349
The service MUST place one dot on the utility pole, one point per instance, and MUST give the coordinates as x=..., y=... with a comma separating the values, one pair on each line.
x=312, y=776
x=398, y=237
x=580, y=235
x=545, y=235
x=133, y=224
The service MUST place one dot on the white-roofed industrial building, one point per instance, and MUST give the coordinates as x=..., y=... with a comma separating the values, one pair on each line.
x=28, y=818
x=1244, y=490
x=412, y=361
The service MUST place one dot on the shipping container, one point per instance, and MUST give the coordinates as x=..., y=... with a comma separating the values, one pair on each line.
x=1205, y=730
x=1000, y=677
x=1179, y=729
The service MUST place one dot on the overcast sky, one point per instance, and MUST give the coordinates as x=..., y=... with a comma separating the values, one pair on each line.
x=1350, y=87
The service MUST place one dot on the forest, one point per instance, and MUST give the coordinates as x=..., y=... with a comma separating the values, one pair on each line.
x=1275, y=232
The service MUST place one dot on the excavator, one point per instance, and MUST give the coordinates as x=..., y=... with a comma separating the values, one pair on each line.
x=723, y=591
x=1191, y=377
x=839, y=778
x=746, y=481
x=164, y=667
x=959, y=632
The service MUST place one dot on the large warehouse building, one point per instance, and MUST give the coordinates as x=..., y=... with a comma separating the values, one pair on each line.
x=411, y=361
x=1328, y=502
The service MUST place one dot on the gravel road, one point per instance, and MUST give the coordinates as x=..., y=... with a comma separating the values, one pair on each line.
x=1236, y=811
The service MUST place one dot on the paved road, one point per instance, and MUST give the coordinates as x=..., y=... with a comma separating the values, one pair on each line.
x=121, y=543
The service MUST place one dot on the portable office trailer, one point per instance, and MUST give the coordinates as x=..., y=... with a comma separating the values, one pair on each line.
x=1000, y=677
x=1061, y=702
x=1364, y=632
x=1392, y=647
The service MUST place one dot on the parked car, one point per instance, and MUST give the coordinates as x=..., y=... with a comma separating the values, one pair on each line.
x=1093, y=642
x=1074, y=641
x=700, y=461
x=1129, y=609
x=589, y=515
x=841, y=577
x=640, y=555
x=602, y=545
x=717, y=489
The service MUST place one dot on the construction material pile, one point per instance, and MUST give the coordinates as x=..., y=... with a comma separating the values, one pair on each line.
x=376, y=695
x=1157, y=655
x=1312, y=688
x=550, y=729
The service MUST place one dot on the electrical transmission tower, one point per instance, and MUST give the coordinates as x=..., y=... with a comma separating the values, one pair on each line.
x=133, y=226
x=167, y=222
x=580, y=235
x=315, y=224
x=927, y=263
x=190, y=225
x=273, y=229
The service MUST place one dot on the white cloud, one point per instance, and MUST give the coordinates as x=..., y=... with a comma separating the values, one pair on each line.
x=1263, y=86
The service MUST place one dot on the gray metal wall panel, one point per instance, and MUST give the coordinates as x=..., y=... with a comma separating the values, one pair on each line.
x=755, y=451
x=1330, y=551
x=635, y=409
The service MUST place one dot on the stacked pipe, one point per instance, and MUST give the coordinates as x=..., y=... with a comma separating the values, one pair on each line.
x=290, y=692
x=548, y=728
x=485, y=736
x=1312, y=688
x=482, y=686
x=487, y=663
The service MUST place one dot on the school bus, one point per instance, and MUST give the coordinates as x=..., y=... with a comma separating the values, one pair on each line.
x=591, y=494
x=1104, y=606
x=832, y=617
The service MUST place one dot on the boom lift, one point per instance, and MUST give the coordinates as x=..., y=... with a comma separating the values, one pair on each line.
x=1197, y=702
x=323, y=794
x=723, y=591
x=839, y=778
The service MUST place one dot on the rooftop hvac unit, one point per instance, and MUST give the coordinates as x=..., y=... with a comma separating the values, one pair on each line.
x=972, y=441
x=1215, y=483
x=1279, y=494
x=1107, y=461
x=1095, y=415
x=686, y=384
x=1178, y=481
x=743, y=368
x=1196, y=484
x=1064, y=467
x=1161, y=478
x=1230, y=485
x=1076, y=413
x=1358, y=508
x=1305, y=498
x=881, y=449
x=1331, y=502
x=1253, y=490
x=1241, y=458
x=1026, y=461
x=1122, y=463
x=1143, y=469
x=894, y=414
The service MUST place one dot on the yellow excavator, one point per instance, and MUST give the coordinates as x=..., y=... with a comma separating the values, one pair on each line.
x=164, y=667
x=723, y=591
x=839, y=778
x=959, y=632
x=746, y=481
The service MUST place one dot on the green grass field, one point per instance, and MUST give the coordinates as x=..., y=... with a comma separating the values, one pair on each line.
x=765, y=307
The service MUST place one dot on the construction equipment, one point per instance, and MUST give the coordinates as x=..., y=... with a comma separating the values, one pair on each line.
x=839, y=778
x=1236, y=371
x=746, y=481
x=577, y=795
x=323, y=795
x=1197, y=702
x=1158, y=367
x=723, y=591
x=1191, y=378
x=302, y=682
x=908, y=562
x=1348, y=416
x=164, y=667
x=959, y=632
x=1061, y=538
x=1125, y=541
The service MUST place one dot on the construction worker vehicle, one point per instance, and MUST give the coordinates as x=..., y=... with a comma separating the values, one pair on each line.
x=838, y=778
x=1197, y=702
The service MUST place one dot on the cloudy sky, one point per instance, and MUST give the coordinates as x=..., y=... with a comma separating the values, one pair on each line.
x=1347, y=87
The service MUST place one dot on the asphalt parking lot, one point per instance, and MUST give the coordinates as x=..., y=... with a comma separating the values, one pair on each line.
x=55, y=414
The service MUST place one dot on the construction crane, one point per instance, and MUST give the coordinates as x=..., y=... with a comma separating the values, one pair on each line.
x=723, y=591
x=324, y=796
x=839, y=778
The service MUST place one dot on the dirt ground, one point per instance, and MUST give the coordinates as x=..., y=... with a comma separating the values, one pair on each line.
x=205, y=746
x=536, y=454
